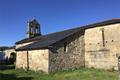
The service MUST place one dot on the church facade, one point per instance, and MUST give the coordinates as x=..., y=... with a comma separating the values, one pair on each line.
x=95, y=45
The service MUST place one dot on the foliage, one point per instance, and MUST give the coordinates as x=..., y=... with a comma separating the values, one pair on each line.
x=2, y=48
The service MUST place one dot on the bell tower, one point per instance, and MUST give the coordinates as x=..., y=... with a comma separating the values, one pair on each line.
x=33, y=29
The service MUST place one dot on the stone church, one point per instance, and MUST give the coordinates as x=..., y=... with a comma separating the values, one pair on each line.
x=96, y=45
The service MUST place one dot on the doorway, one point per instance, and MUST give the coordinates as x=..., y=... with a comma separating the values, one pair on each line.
x=12, y=58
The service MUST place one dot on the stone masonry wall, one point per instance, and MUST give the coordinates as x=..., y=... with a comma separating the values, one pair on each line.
x=102, y=48
x=72, y=58
x=8, y=52
x=21, y=60
x=36, y=60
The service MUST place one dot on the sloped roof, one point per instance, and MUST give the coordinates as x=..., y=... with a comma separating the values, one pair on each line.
x=46, y=40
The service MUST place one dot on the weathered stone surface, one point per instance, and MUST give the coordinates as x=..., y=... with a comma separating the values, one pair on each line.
x=21, y=59
x=36, y=60
x=97, y=55
x=73, y=58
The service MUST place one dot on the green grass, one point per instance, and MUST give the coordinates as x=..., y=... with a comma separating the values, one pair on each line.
x=79, y=74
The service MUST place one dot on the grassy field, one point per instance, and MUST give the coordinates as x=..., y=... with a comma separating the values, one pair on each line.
x=80, y=74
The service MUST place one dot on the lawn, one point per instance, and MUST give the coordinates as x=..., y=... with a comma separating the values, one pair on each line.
x=9, y=73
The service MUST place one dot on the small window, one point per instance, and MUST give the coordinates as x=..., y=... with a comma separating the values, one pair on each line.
x=65, y=47
x=112, y=40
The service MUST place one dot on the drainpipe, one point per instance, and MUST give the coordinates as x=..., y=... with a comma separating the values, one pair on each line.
x=27, y=60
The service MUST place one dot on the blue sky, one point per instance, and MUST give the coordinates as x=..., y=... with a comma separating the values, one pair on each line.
x=53, y=15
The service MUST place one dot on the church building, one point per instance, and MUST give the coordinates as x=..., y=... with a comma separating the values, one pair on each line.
x=96, y=45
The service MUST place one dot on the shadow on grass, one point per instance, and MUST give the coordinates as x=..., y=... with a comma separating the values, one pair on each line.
x=6, y=67
x=13, y=77
x=4, y=76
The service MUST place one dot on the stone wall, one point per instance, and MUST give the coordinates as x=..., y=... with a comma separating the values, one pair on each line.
x=8, y=52
x=36, y=60
x=73, y=57
x=21, y=60
x=102, y=48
